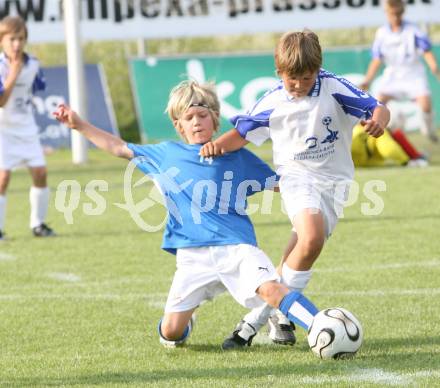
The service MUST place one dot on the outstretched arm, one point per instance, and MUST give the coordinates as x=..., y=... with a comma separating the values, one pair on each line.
x=373, y=67
x=378, y=122
x=431, y=61
x=228, y=142
x=102, y=139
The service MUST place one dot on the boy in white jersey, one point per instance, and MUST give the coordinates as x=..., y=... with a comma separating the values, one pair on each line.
x=400, y=45
x=309, y=116
x=208, y=228
x=20, y=76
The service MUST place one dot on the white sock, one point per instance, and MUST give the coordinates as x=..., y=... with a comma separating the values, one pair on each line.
x=39, y=199
x=295, y=280
x=258, y=316
x=282, y=319
x=427, y=123
x=2, y=211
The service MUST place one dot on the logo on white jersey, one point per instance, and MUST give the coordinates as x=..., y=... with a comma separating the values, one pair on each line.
x=311, y=142
x=332, y=135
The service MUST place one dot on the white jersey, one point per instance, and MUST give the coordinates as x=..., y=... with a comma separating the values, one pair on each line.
x=17, y=116
x=401, y=50
x=310, y=135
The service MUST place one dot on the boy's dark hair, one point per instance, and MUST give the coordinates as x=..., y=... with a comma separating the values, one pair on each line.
x=298, y=53
x=12, y=24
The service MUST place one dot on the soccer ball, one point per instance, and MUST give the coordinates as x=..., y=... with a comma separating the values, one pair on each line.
x=327, y=120
x=335, y=333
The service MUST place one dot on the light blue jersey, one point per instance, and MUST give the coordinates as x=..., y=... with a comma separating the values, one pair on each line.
x=205, y=198
x=311, y=134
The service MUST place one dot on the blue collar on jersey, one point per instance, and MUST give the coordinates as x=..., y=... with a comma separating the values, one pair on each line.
x=314, y=92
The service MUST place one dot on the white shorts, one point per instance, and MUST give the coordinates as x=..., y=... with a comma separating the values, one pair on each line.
x=402, y=85
x=15, y=151
x=299, y=193
x=204, y=272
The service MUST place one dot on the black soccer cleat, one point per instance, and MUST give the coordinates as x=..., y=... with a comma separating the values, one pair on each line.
x=2, y=236
x=281, y=330
x=242, y=336
x=43, y=231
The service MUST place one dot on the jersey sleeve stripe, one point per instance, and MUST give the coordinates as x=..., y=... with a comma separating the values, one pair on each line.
x=247, y=123
x=423, y=43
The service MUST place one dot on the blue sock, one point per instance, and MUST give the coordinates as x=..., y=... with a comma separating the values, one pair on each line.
x=298, y=309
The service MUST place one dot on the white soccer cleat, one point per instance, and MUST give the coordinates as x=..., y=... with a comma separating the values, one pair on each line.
x=419, y=162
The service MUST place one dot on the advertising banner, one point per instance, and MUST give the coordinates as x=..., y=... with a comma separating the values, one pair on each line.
x=133, y=19
x=240, y=80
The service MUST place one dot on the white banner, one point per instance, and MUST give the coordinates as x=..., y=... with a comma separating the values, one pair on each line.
x=133, y=19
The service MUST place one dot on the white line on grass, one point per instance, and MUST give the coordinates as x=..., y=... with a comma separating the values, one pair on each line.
x=430, y=263
x=372, y=293
x=97, y=284
x=65, y=277
x=375, y=376
x=123, y=297
x=158, y=297
x=6, y=257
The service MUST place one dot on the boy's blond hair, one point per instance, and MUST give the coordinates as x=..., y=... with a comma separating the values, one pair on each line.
x=191, y=93
x=395, y=4
x=298, y=53
x=12, y=24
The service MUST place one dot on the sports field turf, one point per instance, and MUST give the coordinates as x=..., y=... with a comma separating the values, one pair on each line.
x=81, y=309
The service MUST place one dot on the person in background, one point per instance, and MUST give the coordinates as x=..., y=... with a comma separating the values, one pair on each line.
x=400, y=45
x=20, y=77
x=393, y=147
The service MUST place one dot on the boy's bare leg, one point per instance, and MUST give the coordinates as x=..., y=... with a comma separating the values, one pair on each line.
x=175, y=328
x=258, y=317
x=5, y=176
x=310, y=228
x=301, y=252
x=287, y=250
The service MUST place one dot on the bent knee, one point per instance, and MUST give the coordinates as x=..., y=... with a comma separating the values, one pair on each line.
x=171, y=330
x=272, y=292
x=39, y=175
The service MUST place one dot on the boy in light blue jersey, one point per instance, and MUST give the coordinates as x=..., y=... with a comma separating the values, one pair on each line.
x=20, y=77
x=207, y=227
x=309, y=115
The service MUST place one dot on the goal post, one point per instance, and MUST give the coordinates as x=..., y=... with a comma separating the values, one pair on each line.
x=75, y=71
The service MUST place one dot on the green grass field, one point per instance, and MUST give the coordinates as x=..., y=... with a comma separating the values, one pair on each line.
x=81, y=309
